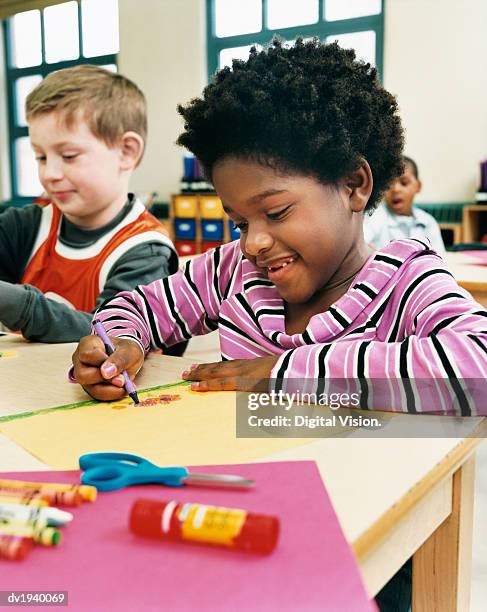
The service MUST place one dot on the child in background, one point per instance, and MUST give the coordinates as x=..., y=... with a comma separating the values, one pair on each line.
x=398, y=218
x=58, y=263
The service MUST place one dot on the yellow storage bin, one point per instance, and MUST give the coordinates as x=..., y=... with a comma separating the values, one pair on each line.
x=211, y=207
x=185, y=206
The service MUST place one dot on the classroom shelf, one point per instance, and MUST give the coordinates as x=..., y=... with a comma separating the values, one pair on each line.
x=453, y=231
x=197, y=222
x=474, y=223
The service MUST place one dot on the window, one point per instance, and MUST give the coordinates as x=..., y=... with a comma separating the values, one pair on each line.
x=234, y=26
x=38, y=42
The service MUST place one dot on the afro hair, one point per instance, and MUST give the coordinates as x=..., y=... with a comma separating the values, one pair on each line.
x=311, y=108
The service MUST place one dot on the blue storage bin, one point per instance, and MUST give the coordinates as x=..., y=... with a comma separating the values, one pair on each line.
x=212, y=229
x=234, y=231
x=185, y=228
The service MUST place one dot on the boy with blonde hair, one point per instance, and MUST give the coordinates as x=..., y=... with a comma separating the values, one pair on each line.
x=87, y=127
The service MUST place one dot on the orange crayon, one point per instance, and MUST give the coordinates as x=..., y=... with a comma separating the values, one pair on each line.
x=25, y=497
x=86, y=492
x=51, y=496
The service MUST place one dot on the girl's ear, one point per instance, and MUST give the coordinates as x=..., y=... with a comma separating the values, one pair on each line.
x=131, y=149
x=359, y=187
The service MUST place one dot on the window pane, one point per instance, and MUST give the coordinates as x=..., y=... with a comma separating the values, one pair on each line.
x=362, y=42
x=61, y=34
x=111, y=67
x=338, y=9
x=100, y=27
x=28, y=179
x=23, y=87
x=241, y=53
x=26, y=39
x=236, y=17
x=288, y=13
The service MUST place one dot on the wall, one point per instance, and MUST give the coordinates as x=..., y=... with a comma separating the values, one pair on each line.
x=434, y=61
x=163, y=49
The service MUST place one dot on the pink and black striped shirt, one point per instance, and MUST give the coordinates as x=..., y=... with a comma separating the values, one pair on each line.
x=404, y=316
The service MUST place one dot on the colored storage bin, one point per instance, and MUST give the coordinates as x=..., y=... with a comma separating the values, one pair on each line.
x=206, y=246
x=185, y=228
x=234, y=231
x=211, y=229
x=211, y=207
x=185, y=247
x=185, y=206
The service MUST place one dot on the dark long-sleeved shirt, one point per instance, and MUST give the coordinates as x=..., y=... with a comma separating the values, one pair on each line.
x=25, y=308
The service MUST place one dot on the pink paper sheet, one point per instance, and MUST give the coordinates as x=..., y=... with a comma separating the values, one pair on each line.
x=104, y=566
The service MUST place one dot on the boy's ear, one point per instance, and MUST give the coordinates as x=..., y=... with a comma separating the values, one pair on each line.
x=359, y=187
x=131, y=148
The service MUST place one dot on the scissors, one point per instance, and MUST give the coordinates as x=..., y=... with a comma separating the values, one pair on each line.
x=113, y=471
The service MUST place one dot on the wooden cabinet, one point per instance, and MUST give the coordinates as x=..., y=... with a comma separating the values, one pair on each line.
x=451, y=233
x=474, y=222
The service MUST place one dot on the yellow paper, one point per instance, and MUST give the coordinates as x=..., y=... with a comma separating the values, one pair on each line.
x=197, y=429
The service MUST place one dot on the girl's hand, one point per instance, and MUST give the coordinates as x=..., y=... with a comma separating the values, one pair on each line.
x=99, y=374
x=240, y=374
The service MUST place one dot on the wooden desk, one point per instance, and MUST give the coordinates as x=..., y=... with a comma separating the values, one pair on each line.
x=469, y=274
x=395, y=497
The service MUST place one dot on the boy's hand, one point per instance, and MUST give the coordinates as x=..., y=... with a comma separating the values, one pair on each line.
x=99, y=374
x=240, y=374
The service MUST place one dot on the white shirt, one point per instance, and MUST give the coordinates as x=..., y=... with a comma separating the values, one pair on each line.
x=384, y=226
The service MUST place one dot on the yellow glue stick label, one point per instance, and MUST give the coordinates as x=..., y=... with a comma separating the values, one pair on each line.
x=210, y=523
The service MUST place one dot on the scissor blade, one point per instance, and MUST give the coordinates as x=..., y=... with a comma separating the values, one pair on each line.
x=218, y=480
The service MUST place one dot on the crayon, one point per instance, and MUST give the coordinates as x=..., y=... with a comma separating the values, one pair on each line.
x=25, y=499
x=51, y=496
x=40, y=523
x=14, y=547
x=129, y=386
x=47, y=536
x=87, y=492
x=53, y=516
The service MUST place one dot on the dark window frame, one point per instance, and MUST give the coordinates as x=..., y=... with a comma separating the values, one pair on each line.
x=12, y=73
x=322, y=29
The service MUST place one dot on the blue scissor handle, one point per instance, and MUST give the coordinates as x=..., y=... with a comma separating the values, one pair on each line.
x=112, y=471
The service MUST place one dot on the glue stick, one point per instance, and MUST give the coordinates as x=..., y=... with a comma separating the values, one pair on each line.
x=230, y=527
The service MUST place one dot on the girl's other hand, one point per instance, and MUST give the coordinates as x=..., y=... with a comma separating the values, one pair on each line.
x=100, y=374
x=239, y=374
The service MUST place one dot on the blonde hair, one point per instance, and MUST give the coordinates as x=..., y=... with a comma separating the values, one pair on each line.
x=110, y=103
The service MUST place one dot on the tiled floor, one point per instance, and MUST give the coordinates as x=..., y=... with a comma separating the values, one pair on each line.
x=205, y=349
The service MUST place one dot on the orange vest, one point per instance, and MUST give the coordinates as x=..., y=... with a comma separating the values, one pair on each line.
x=79, y=275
